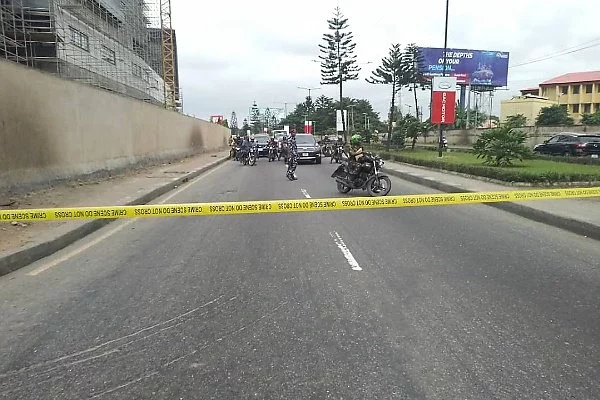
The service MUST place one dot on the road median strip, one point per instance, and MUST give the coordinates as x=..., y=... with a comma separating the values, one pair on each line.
x=287, y=206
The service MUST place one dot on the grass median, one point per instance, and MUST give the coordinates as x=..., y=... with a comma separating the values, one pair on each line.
x=528, y=171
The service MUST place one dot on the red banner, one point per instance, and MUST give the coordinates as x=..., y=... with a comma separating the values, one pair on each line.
x=308, y=127
x=443, y=107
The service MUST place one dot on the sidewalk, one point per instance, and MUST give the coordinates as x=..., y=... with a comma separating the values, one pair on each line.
x=22, y=244
x=575, y=215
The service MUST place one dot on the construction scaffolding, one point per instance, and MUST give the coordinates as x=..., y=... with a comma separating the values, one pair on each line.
x=112, y=44
x=12, y=32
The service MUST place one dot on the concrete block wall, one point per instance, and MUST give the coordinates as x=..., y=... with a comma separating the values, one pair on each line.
x=55, y=129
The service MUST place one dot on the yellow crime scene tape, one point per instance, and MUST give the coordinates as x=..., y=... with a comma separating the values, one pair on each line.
x=286, y=206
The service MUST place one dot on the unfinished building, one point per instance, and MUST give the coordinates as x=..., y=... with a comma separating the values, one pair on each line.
x=111, y=44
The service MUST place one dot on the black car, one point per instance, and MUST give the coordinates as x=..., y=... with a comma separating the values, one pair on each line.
x=308, y=148
x=261, y=142
x=571, y=144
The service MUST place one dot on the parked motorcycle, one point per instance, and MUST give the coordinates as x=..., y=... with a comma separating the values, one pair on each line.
x=367, y=177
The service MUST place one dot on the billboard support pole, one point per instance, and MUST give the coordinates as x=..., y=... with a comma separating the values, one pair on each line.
x=441, y=136
x=463, y=92
x=468, y=106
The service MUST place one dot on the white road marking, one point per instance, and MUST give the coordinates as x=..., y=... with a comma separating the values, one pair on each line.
x=108, y=234
x=345, y=251
x=305, y=193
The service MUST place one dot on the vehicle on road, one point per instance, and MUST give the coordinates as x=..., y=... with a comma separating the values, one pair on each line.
x=570, y=144
x=337, y=153
x=249, y=157
x=261, y=141
x=368, y=177
x=272, y=151
x=308, y=148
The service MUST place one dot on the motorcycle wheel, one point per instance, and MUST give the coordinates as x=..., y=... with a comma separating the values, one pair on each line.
x=342, y=188
x=379, y=186
x=252, y=160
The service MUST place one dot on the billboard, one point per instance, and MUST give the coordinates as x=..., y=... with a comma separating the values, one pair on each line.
x=443, y=102
x=475, y=67
x=217, y=119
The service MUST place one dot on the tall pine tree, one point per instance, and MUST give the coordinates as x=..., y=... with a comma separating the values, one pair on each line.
x=412, y=65
x=338, y=61
x=390, y=72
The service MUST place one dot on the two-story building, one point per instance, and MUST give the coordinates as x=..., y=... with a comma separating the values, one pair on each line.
x=579, y=92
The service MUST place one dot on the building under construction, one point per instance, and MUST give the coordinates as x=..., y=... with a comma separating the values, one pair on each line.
x=112, y=44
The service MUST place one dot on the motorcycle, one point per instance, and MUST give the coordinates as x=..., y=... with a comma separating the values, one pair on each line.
x=327, y=149
x=368, y=177
x=249, y=157
x=272, y=152
x=336, y=154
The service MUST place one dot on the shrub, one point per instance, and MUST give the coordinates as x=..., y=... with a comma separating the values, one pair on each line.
x=499, y=146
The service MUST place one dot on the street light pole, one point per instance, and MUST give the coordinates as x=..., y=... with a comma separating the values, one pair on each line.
x=309, y=99
x=440, y=145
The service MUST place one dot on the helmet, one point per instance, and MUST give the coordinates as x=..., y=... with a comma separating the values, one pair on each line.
x=252, y=137
x=355, y=139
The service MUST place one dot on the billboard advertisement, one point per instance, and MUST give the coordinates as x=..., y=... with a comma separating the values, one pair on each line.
x=443, y=102
x=475, y=67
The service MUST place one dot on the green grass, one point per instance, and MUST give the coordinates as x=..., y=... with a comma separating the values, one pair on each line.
x=530, y=171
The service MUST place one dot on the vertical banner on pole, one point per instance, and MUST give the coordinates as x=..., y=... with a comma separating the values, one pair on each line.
x=308, y=127
x=338, y=122
x=443, y=107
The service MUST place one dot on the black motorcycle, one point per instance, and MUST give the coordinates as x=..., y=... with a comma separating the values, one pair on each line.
x=272, y=152
x=367, y=176
x=249, y=156
x=336, y=154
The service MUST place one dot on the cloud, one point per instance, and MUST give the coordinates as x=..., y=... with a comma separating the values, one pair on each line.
x=234, y=52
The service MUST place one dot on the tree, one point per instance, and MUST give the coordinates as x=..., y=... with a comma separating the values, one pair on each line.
x=338, y=61
x=499, y=146
x=412, y=67
x=390, y=73
x=515, y=121
x=245, y=127
x=591, y=119
x=553, y=116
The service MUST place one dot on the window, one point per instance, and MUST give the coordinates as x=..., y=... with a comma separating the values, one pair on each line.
x=543, y=91
x=554, y=139
x=564, y=89
x=598, y=88
x=575, y=108
x=564, y=106
x=587, y=108
x=589, y=88
x=108, y=55
x=576, y=89
x=79, y=39
x=597, y=107
x=137, y=70
x=146, y=77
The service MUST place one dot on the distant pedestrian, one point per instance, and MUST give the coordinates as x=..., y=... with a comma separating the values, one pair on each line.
x=292, y=157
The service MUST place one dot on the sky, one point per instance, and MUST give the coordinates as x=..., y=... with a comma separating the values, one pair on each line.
x=232, y=53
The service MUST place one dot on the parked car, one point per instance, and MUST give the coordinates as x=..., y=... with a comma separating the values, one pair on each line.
x=261, y=142
x=308, y=148
x=571, y=144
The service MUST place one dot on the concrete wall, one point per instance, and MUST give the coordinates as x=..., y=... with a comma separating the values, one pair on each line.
x=535, y=135
x=53, y=129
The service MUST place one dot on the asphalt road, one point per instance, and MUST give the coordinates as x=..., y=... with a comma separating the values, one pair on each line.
x=455, y=302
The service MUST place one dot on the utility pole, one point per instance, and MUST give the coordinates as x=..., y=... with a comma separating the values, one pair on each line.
x=440, y=145
x=309, y=99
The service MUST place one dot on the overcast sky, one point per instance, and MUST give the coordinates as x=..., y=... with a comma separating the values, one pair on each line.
x=234, y=52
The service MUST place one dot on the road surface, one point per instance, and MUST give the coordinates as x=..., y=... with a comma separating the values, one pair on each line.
x=455, y=302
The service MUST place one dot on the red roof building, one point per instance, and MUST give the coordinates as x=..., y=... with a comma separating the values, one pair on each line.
x=579, y=92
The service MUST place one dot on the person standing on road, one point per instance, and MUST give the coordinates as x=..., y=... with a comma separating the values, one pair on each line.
x=292, y=157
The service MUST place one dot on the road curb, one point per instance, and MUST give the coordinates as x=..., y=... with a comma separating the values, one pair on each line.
x=21, y=258
x=572, y=225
